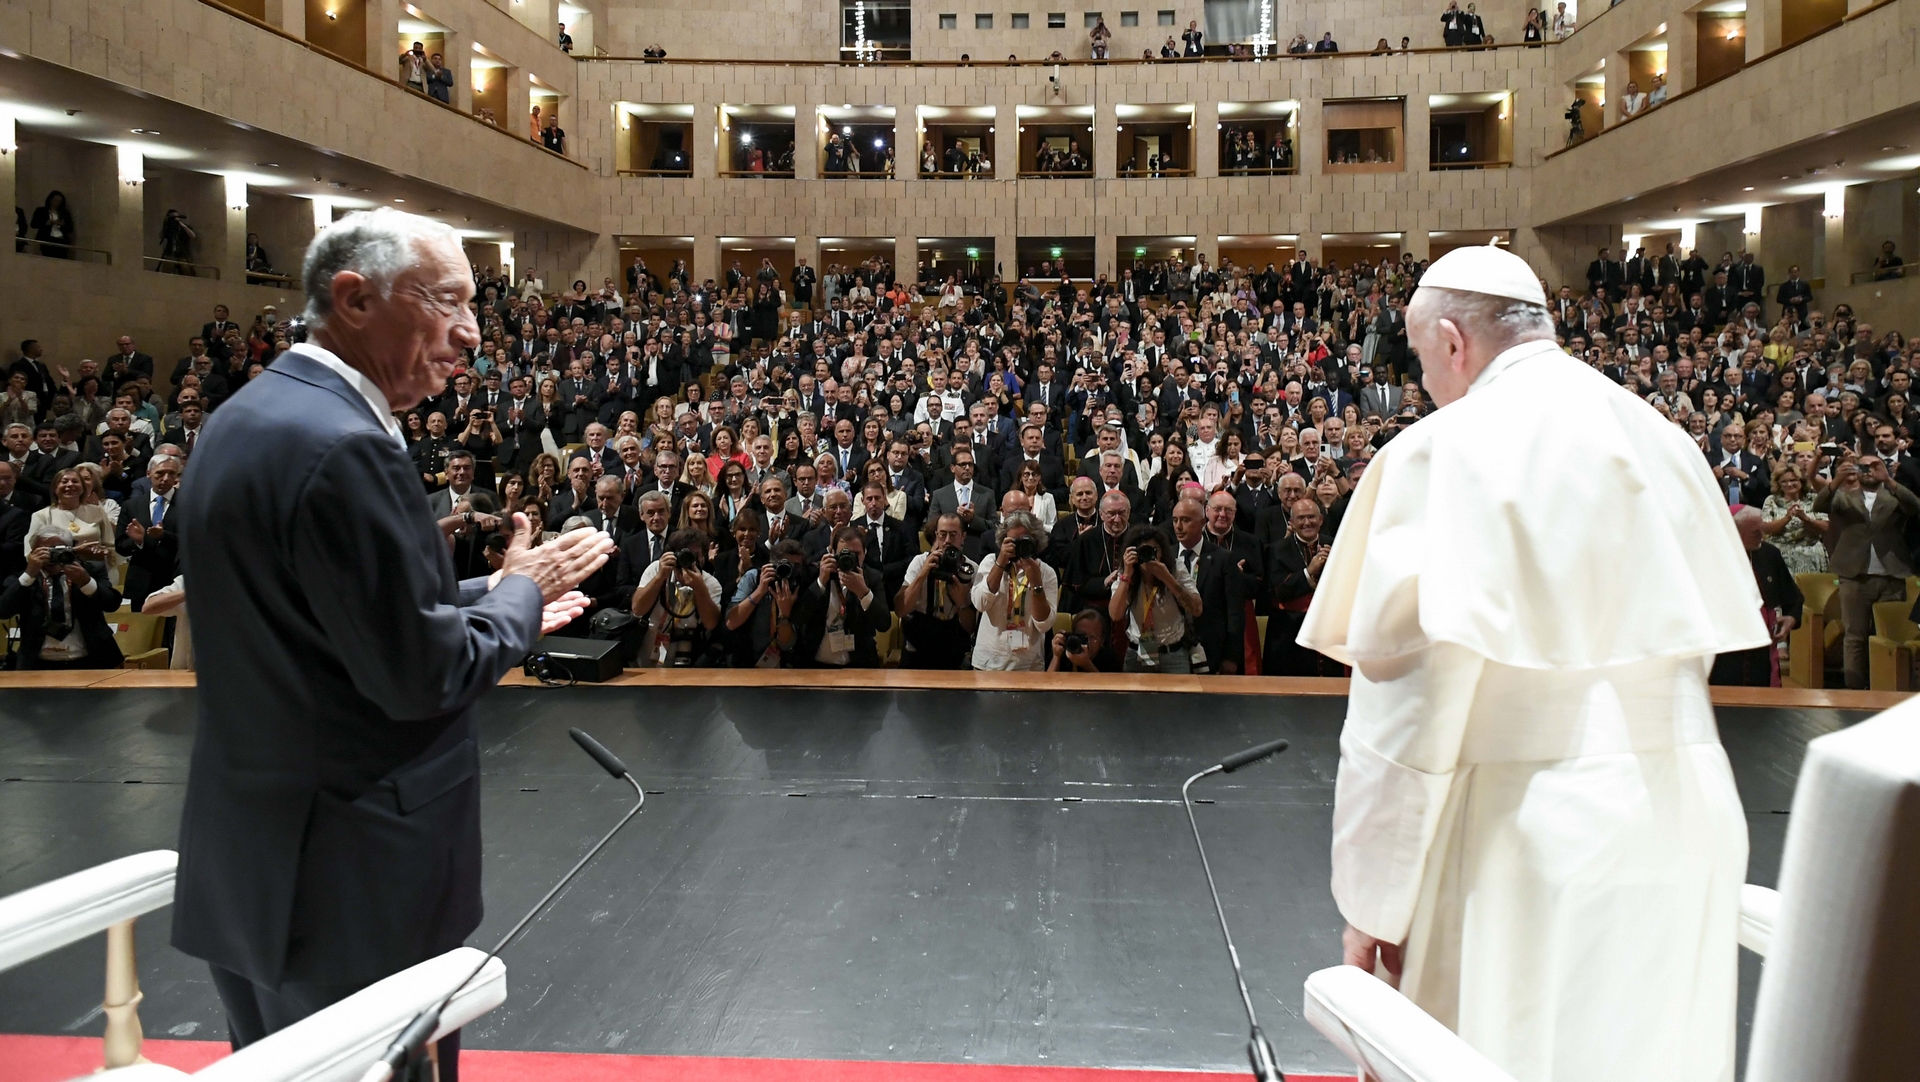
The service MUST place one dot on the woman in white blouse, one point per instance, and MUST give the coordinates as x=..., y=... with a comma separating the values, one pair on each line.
x=1225, y=465
x=87, y=523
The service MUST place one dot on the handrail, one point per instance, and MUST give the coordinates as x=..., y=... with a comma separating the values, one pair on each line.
x=964, y=174
x=1745, y=65
x=775, y=174
x=1262, y=171
x=287, y=280
x=653, y=172
x=1877, y=274
x=1056, y=174
x=854, y=174
x=262, y=24
x=1144, y=173
x=27, y=246
x=1444, y=167
x=1042, y=62
x=160, y=263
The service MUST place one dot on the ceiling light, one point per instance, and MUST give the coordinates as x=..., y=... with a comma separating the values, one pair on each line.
x=268, y=165
x=1748, y=188
x=144, y=131
x=399, y=200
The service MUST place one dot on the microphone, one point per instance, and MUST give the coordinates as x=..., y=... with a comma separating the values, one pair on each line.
x=412, y=1041
x=1259, y=1052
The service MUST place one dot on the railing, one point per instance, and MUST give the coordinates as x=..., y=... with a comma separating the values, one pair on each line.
x=1877, y=274
x=1142, y=173
x=1445, y=167
x=1056, y=174
x=179, y=266
x=687, y=172
x=776, y=174
x=262, y=278
x=1262, y=171
x=964, y=174
x=857, y=174
x=1038, y=61
x=53, y=249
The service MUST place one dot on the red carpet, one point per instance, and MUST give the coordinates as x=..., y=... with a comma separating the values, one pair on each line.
x=55, y=1059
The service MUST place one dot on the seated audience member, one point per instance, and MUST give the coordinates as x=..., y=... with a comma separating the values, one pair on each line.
x=842, y=610
x=680, y=602
x=935, y=603
x=62, y=602
x=1016, y=595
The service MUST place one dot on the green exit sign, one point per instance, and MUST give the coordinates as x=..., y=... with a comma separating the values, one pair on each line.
x=973, y=253
x=1139, y=251
x=1056, y=253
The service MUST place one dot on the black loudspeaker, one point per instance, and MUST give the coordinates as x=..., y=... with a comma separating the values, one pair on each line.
x=587, y=661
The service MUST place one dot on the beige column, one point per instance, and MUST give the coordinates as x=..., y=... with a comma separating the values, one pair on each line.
x=1683, y=54
x=1206, y=241
x=1206, y=139
x=1615, y=88
x=288, y=15
x=807, y=247
x=383, y=36
x=1103, y=255
x=1310, y=153
x=8, y=161
x=227, y=248
x=519, y=103
x=807, y=141
x=1106, y=141
x=706, y=259
x=1006, y=147
x=1419, y=242
x=125, y=233
x=457, y=52
x=1006, y=252
x=1418, y=133
x=707, y=134
x=1763, y=27
x=906, y=256
x=906, y=140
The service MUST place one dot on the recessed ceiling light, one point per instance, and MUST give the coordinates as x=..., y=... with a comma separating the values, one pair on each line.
x=399, y=200
x=144, y=131
x=268, y=165
x=1748, y=188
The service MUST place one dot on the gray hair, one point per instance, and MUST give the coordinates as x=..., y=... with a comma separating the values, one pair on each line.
x=576, y=522
x=17, y=424
x=651, y=497
x=1505, y=322
x=376, y=244
x=163, y=459
x=1021, y=520
x=50, y=533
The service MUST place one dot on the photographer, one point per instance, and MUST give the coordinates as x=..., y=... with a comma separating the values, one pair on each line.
x=762, y=632
x=936, y=602
x=1157, y=604
x=1576, y=124
x=1016, y=594
x=840, y=613
x=680, y=602
x=62, y=602
x=481, y=436
x=176, y=244
x=1089, y=647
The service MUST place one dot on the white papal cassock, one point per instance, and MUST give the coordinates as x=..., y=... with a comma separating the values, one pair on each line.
x=1531, y=584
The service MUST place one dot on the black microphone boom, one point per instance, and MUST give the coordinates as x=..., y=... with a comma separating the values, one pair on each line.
x=412, y=1041
x=1259, y=1052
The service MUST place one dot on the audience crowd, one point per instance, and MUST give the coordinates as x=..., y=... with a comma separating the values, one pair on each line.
x=1131, y=474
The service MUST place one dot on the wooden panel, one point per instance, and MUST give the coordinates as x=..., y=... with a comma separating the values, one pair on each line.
x=1363, y=114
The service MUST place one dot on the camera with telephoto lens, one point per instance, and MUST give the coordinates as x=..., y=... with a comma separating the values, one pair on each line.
x=783, y=572
x=1073, y=643
x=949, y=564
x=1025, y=548
x=62, y=556
x=684, y=559
x=1147, y=551
x=847, y=560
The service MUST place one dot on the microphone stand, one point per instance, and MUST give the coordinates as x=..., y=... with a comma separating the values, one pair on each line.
x=1259, y=1052
x=412, y=1040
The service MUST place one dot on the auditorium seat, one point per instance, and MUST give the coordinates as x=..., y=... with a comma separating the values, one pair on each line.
x=140, y=637
x=1819, y=630
x=1890, y=650
x=1841, y=943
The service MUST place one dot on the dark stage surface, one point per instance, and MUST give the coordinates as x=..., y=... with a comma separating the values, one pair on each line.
x=994, y=877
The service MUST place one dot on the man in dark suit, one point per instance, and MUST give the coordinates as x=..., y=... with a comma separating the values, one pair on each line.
x=639, y=549
x=138, y=363
x=975, y=503
x=1294, y=564
x=1742, y=475
x=1749, y=281
x=1220, y=628
x=330, y=835
x=14, y=521
x=147, y=537
x=1794, y=295
x=39, y=378
x=838, y=615
x=62, y=608
x=666, y=480
x=213, y=332
x=1033, y=448
x=186, y=434
x=520, y=419
x=890, y=546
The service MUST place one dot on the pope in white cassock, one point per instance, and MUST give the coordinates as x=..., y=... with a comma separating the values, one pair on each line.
x=1535, y=826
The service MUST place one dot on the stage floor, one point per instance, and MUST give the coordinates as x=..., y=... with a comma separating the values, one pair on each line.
x=937, y=875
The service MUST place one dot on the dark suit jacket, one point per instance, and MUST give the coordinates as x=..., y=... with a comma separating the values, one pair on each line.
x=14, y=521
x=986, y=504
x=891, y=556
x=864, y=624
x=1753, y=491
x=89, y=614
x=331, y=830
x=151, y=563
x=1222, y=624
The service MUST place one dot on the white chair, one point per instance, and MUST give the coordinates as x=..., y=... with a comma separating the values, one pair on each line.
x=1841, y=937
x=334, y=1045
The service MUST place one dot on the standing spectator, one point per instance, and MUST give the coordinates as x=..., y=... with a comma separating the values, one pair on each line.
x=1016, y=595
x=176, y=245
x=1294, y=565
x=841, y=613
x=1749, y=281
x=1886, y=266
x=1169, y=51
x=1156, y=603
x=1867, y=512
x=803, y=279
x=151, y=547
x=439, y=79
x=566, y=39
x=1326, y=44
x=54, y=227
x=552, y=136
x=1193, y=40
x=1453, y=25
x=413, y=68
x=680, y=602
x=937, y=615
x=1100, y=35
x=1563, y=21
x=1220, y=625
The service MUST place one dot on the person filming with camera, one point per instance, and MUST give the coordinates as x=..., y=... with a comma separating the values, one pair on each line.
x=761, y=615
x=1155, y=603
x=680, y=602
x=1088, y=647
x=936, y=601
x=841, y=612
x=1016, y=593
x=62, y=600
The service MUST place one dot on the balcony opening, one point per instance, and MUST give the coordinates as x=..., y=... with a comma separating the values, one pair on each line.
x=1470, y=131
x=1258, y=138
x=1154, y=141
x=655, y=140
x=756, y=141
x=1365, y=136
